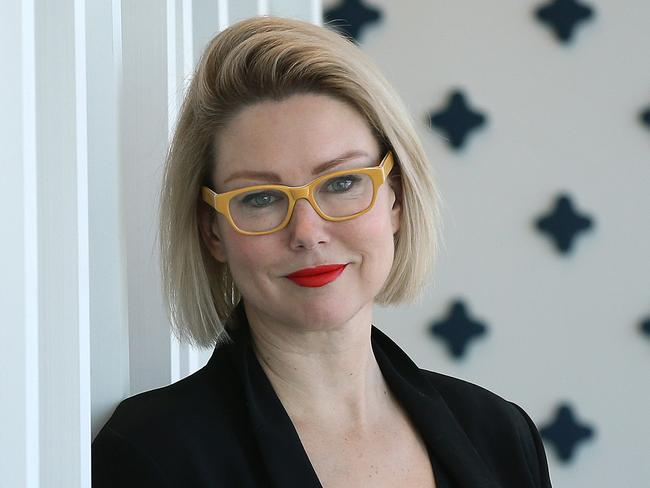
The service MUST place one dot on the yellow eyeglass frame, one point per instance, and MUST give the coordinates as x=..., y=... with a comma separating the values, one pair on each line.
x=221, y=201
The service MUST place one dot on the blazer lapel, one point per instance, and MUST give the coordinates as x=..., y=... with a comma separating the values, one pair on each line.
x=444, y=437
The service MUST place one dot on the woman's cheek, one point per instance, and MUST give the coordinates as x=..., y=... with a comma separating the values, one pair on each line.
x=256, y=255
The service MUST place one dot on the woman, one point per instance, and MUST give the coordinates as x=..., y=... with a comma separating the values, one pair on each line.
x=296, y=196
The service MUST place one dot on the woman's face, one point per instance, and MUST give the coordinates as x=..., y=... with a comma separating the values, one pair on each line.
x=291, y=138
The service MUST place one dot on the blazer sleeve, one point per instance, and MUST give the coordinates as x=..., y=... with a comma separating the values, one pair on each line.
x=118, y=462
x=533, y=447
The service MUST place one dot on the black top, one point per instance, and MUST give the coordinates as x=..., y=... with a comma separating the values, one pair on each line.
x=224, y=426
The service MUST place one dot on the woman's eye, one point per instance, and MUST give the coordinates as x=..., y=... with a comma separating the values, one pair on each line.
x=342, y=183
x=259, y=199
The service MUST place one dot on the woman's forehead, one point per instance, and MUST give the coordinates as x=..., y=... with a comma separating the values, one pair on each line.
x=297, y=173
x=306, y=133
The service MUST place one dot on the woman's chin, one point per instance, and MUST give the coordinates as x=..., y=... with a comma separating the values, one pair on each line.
x=325, y=315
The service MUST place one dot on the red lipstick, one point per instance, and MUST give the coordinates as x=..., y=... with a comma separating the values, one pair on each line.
x=318, y=276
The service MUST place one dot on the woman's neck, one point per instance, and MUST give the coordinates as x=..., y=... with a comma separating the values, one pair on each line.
x=329, y=377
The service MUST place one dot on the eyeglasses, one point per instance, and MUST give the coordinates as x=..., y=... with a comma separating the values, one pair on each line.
x=263, y=209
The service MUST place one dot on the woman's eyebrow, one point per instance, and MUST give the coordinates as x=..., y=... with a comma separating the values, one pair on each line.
x=272, y=177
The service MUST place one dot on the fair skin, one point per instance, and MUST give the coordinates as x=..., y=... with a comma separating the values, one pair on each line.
x=313, y=343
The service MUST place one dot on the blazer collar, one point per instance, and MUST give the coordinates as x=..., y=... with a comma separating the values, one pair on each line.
x=453, y=455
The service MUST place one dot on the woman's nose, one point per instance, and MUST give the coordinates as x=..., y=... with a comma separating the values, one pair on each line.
x=306, y=227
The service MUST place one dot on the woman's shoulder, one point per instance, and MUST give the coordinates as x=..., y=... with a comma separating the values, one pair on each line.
x=167, y=432
x=208, y=398
x=470, y=403
x=500, y=430
x=465, y=394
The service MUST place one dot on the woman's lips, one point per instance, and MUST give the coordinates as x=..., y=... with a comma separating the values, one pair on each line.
x=318, y=276
x=325, y=268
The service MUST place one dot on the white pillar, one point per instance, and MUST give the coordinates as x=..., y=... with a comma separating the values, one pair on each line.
x=19, y=454
x=48, y=262
x=143, y=142
x=109, y=332
x=61, y=167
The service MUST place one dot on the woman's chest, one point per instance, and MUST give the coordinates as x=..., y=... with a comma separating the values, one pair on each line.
x=391, y=456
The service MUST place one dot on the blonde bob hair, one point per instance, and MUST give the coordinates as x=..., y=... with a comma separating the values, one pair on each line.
x=271, y=58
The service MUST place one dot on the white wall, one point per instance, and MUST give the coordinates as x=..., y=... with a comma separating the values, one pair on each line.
x=17, y=289
x=560, y=118
x=46, y=381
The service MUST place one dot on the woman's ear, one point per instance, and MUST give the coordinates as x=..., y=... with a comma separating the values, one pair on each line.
x=395, y=182
x=209, y=231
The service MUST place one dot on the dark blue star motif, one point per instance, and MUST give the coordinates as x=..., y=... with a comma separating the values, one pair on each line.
x=563, y=16
x=456, y=120
x=645, y=327
x=565, y=432
x=353, y=17
x=645, y=117
x=563, y=224
x=457, y=329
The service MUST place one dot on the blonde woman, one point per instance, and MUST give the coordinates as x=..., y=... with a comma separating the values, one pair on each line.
x=296, y=196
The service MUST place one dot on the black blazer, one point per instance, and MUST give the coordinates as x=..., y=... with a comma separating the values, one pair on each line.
x=224, y=426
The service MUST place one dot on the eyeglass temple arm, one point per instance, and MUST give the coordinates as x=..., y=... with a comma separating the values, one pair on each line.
x=209, y=197
x=387, y=163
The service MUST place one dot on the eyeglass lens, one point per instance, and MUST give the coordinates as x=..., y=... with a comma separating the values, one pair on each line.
x=339, y=196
